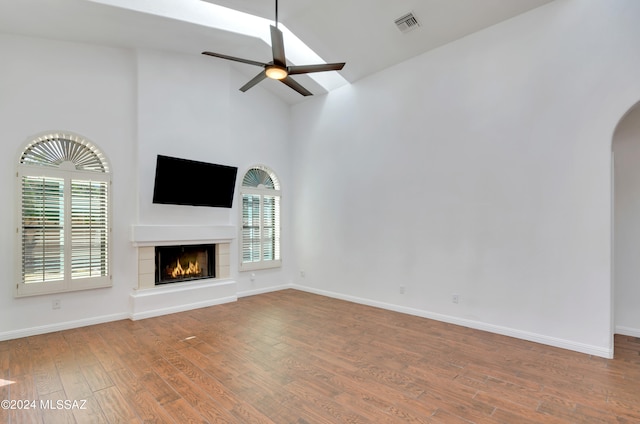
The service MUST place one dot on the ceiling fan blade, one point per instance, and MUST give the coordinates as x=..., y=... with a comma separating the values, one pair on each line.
x=306, y=69
x=262, y=75
x=277, y=46
x=293, y=84
x=236, y=59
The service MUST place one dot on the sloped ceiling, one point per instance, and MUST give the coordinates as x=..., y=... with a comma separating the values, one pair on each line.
x=361, y=33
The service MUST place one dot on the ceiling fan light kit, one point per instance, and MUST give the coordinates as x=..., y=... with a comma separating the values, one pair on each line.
x=277, y=69
x=276, y=72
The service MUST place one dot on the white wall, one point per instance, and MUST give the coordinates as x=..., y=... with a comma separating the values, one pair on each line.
x=482, y=169
x=89, y=90
x=133, y=105
x=190, y=107
x=626, y=148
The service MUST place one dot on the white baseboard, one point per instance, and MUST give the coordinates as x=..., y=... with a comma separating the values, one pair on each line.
x=68, y=325
x=478, y=325
x=247, y=293
x=628, y=331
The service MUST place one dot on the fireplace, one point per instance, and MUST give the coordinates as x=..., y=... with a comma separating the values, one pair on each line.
x=147, y=237
x=184, y=263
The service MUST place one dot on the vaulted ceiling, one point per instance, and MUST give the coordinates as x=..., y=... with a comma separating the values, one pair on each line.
x=361, y=33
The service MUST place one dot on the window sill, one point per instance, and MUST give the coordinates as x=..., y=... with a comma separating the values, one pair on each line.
x=254, y=266
x=37, y=289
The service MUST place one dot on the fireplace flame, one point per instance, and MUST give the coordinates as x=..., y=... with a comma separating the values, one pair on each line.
x=192, y=269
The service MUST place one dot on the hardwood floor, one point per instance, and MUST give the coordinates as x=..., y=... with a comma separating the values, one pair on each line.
x=295, y=357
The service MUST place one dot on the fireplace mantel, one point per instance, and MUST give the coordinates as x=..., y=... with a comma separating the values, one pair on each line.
x=148, y=300
x=164, y=235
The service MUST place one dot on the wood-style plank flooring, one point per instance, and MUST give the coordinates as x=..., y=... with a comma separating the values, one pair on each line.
x=295, y=357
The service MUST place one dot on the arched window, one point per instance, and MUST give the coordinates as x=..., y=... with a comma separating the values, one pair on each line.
x=260, y=244
x=64, y=224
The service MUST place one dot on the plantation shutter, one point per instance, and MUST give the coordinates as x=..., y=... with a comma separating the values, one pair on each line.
x=260, y=247
x=42, y=229
x=64, y=231
x=271, y=228
x=250, y=228
x=89, y=229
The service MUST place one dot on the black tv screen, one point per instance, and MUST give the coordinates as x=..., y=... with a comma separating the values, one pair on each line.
x=188, y=182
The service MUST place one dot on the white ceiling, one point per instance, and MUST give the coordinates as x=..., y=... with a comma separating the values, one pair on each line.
x=361, y=33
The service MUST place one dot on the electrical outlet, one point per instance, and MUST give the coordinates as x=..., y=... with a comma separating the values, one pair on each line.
x=302, y=274
x=455, y=298
x=401, y=289
x=55, y=304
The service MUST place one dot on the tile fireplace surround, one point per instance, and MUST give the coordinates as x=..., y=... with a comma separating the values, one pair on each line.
x=148, y=300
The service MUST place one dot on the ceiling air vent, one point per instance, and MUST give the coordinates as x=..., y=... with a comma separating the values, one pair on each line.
x=407, y=22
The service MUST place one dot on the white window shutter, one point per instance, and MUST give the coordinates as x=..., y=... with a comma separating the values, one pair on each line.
x=260, y=238
x=42, y=229
x=271, y=228
x=250, y=228
x=64, y=227
x=89, y=229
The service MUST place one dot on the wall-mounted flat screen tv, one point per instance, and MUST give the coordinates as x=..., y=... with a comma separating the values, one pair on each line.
x=188, y=182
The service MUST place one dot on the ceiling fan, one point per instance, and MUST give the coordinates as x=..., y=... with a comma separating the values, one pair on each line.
x=277, y=69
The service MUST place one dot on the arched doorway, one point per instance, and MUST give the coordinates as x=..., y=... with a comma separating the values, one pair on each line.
x=626, y=224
